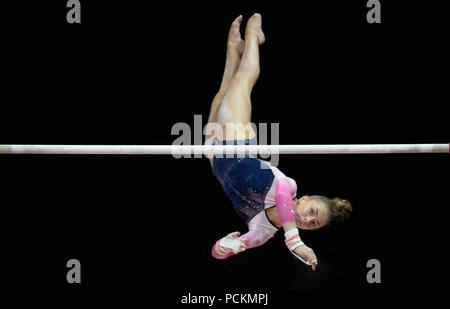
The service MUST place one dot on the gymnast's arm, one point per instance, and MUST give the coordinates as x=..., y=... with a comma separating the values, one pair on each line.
x=285, y=210
x=285, y=206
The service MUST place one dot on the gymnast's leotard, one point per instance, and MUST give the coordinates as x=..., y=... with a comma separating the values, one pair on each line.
x=250, y=188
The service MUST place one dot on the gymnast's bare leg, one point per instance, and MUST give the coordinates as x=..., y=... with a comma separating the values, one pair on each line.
x=235, y=48
x=231, y=107
x=235, y=110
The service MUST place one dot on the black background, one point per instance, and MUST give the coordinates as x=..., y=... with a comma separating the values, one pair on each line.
x=130, y=71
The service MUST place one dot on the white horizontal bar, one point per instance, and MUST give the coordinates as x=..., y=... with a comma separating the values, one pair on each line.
x=223, y=149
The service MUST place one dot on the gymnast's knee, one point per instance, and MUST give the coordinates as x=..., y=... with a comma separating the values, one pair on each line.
x=246, y=75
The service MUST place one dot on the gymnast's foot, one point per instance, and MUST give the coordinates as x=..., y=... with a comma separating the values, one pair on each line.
x=235, y=42
x=254, y=26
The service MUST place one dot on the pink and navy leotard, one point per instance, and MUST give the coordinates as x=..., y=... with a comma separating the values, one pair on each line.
x=251, y=190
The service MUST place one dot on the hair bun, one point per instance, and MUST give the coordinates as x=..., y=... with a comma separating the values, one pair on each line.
x=341, y=209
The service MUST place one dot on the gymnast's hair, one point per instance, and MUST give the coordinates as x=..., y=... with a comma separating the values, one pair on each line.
x=338, y=208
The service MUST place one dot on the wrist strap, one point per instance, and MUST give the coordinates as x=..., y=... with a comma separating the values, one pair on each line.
x=293, y=239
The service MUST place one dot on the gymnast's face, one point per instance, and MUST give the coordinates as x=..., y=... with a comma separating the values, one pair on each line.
x=310, y=214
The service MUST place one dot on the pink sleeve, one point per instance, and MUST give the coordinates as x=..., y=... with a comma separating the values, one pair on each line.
x=252, y=239
x=284, y=203
x=293, y=185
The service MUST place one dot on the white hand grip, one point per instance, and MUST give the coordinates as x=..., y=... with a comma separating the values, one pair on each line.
x=230, y=243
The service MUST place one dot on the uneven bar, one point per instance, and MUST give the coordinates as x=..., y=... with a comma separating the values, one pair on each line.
x=222, y=149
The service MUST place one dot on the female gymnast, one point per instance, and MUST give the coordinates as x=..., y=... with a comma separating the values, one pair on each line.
x=264, y=198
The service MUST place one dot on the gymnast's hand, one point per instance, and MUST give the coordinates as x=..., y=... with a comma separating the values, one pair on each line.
x=307, y=255
x=232, y=242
